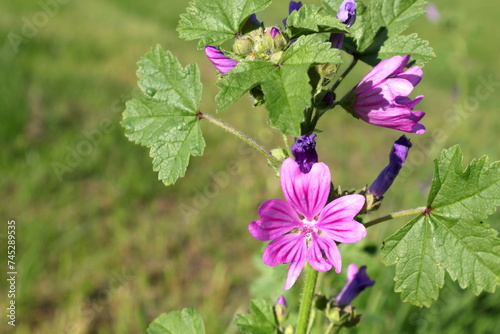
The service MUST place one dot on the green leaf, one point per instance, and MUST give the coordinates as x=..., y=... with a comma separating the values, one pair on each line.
x=164, y=117
x=285, y=85
x=419, y=50
x=310, y=20
x=377, y=23
x=187, y=321
x=261, y=319
x=215, y=21
x=450, y=236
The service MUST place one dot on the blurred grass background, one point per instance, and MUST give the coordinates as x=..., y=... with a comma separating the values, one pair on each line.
x=104, y=247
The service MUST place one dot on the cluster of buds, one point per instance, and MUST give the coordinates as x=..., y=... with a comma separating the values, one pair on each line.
x=261, y=44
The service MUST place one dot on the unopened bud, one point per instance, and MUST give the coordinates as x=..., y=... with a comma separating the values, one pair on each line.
x=281, y=309
x=243, y=46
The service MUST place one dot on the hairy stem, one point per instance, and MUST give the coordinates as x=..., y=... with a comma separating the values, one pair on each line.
x=346, y=72
x=396, y=215
x=307, y=299
x=241, y=136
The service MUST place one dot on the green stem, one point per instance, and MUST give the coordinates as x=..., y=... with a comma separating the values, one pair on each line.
x=287, y=145
x=332, y=329
x=307, y=299
x=241, y=136
x=347, y=70
x=396, y=215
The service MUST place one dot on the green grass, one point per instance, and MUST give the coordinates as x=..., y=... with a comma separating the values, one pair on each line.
x=105, y=247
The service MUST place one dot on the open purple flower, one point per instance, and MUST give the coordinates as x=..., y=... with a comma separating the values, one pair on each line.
x=381, y=98
x=397, y=159
x=305, y=228
x=357, y=281
x=221, y=62
x=304, y=151
x=347, y=12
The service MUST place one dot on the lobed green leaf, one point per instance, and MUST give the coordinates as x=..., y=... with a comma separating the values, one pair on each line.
x=310, y=20
x=187, y=321
x=450, y=236
x=261, y=319
x=215, y=21
x=375, y=34
x=164, y=117
x=420, y=51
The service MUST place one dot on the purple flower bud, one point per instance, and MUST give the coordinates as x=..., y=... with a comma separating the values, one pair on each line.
x=337, y=39
x=305, y=153
x=397, y=159
x=347, y=12
x=274, y=31
x=281, y=301
x=221, y=62
x=357, y=281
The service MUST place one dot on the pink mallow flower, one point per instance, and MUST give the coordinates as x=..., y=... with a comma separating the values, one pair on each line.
x=221, y=62
x=381, y=98
x=305, y=227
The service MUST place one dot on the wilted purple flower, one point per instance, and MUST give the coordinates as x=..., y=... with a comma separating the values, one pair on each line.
x=432, y=13
x=357, y=281
x=221, y=62
x=291, y=7
x=337, y=39
x=253, y=18
x=397, y=159
x=305, y=228
x=381, y=98
x=347, y=12
x=304, y=152
x=294, y=6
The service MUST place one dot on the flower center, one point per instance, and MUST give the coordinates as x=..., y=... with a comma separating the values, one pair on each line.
x=308, y=227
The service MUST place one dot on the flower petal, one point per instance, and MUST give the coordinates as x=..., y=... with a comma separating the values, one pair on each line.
x=307, y=193
x=294, y=271
x=221, y=62
x=287, y=248
x=383, y=70
x=396, y=117
x=413, y=75
x=317, y=253
x=336, y=219
x=324, y=253
x=277, y=217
